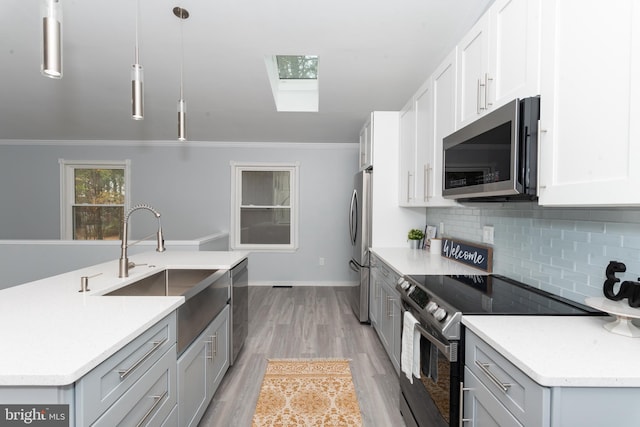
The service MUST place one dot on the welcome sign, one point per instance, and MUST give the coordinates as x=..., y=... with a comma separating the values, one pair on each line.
x=477, y=256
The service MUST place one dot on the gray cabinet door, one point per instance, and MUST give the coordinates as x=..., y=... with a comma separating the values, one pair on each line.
x=192, y=382
x=481, y=408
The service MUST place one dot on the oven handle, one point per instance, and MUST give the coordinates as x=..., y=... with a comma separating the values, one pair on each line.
x=446, y=349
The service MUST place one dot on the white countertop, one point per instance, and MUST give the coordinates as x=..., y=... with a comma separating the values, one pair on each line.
x=418, y=261
x=53, y=335
x=562, y=351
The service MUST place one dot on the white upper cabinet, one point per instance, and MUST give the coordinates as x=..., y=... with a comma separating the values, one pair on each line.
x=422, y=128
x=498, y=59
x=514, y=53
x=590, y=103
x=444, y=123
x=366, y=150
x=407, y=155
x=473, y=59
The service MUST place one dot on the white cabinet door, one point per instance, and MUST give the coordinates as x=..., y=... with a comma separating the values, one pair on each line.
x=590, y=87
x=444, y=124
x=423, y=142
x=365, y=146
x=420, y=151
x=498, y=59
x=473, y=59
x=407, y=155
x=514, y=64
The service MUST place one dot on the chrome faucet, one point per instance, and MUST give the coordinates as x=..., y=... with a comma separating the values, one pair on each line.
x=125, y=265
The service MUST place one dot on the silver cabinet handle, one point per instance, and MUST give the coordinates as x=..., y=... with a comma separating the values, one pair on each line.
x=215, y=344
x=461, y=409
x=408, y=186
x=157, y=399
x=478, y=104
x=487, y=79
x=427, y=171
x=210, y=343
x=484, y=367
x=126, y=372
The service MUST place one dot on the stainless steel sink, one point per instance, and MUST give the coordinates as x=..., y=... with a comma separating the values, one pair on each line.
x=170, y=282
x=206, y=293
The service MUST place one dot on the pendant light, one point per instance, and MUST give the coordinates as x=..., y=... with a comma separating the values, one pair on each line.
x=137, y=89
x=51, y=65
x=182, y=105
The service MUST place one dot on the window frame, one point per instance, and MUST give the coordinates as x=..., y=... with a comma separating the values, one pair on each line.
x=67, y=188
x=236, y=205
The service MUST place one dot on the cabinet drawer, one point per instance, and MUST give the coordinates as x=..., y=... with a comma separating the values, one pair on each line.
x=105, y=384
x=150, y=400
x=482, y=408
x=523, y=397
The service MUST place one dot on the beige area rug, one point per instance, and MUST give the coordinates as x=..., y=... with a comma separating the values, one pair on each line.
x=308, y=392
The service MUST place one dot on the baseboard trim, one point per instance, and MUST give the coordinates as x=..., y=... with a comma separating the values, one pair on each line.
x=301, y=283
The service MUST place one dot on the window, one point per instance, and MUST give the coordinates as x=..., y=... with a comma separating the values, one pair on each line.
x=264, y=206
x=294, y=82
x=297, y=67
x=93, y=199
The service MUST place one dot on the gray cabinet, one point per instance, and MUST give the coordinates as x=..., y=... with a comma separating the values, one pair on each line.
x=385, y=308
x=497, y=393
x=201, y=368
x=136, y=384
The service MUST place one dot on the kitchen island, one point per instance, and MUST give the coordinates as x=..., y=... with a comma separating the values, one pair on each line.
x=78, y=330
x=54, y=335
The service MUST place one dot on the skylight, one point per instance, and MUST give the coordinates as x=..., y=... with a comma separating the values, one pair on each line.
x=297, y=67
x=294, y=82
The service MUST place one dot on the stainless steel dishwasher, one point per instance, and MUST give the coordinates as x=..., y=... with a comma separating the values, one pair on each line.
x=239, y=323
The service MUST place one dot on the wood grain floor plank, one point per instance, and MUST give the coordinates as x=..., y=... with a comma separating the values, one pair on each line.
x=306, y=322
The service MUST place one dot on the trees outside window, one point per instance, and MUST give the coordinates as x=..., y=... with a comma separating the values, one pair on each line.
x=94, y=199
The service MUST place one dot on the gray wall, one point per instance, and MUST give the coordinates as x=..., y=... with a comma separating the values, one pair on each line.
x=190, y=185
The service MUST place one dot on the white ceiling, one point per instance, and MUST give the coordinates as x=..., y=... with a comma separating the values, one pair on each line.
x=373, y=55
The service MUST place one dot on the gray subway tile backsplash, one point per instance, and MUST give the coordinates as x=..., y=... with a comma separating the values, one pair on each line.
x=564, y=251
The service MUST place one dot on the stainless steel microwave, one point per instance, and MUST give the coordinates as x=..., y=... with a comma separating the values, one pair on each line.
x=495, y=157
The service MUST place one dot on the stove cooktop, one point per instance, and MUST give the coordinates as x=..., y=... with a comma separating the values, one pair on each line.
x=491, y=294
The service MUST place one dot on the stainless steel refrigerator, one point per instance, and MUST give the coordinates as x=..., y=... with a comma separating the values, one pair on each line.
x=360, y=236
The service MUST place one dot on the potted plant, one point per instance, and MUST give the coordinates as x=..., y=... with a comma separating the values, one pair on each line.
x=415, y=236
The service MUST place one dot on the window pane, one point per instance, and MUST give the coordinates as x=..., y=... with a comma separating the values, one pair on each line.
x=266, y=188
x=97, y=222
x=297, y=67
x=265, y=226
x=99, y=186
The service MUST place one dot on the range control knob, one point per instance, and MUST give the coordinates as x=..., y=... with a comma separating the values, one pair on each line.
x=411, y=289
x=403, y=284
x=431, y=307
x=440, y=314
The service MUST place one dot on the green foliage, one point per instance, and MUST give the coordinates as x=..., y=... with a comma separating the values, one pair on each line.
x=415, y=234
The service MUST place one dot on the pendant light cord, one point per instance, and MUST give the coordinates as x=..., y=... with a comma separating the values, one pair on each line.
x=181, y=56
x=137, y=18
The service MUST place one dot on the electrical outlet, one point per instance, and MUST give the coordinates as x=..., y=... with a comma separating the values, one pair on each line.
x=321, y=261
x=487, y=234
x=441, y=231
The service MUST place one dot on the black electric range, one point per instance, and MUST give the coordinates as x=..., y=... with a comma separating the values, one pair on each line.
x=441, y=300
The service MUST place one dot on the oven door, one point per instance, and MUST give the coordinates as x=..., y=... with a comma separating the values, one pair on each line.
x=433, y=399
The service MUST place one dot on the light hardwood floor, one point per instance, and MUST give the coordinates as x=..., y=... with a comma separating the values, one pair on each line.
x=306, y=322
